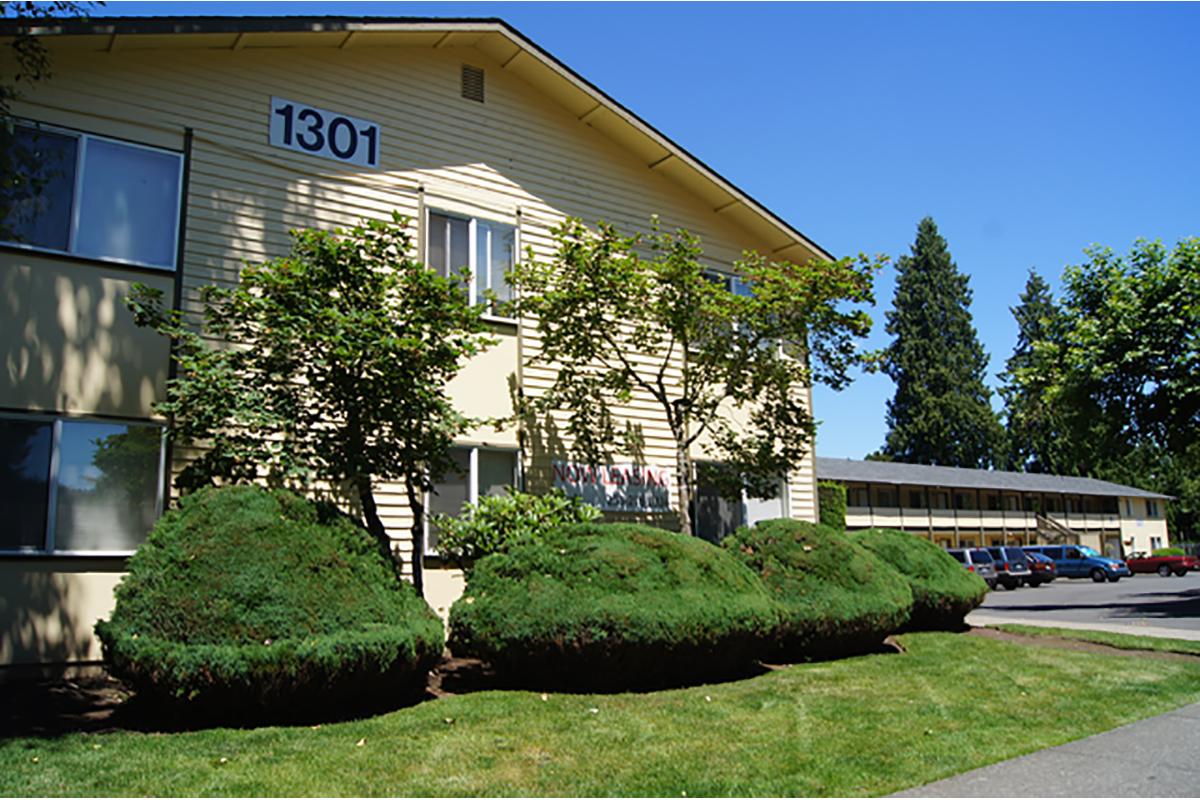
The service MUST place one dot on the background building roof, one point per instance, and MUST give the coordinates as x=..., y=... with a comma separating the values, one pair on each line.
x=845, y=469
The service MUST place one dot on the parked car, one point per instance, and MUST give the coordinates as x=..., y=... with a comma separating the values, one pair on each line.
x=1012, y=567
x=1163, y=565
x=1041, y=569
x=1080, y=561
x=977, y=560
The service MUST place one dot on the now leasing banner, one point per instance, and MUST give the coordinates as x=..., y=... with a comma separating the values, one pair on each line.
x=615, y=487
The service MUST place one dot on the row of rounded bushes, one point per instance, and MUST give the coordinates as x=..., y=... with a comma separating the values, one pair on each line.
x=619, y=605
x=248, y=599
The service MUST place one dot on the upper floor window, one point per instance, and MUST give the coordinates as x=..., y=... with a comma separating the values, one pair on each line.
x=93, y=197
x=1152, y=509
x=735, y=284
x=487, y=249
x=78, y=486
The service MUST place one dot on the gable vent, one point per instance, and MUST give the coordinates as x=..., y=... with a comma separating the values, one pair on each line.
x=472, y=83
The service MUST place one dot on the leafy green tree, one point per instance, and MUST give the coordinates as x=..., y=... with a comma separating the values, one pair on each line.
x=1125, y=370
x=623, y=315
x=941, y=413
x=1033, y=441
x=336, y=373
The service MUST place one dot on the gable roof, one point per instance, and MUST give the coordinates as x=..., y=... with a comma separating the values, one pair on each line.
x=493, y=37
x=892, y=472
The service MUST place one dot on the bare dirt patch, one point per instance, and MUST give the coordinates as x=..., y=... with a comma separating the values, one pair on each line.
x=1076, y=644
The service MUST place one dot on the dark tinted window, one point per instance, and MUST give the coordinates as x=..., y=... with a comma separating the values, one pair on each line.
x=714, y=516
x=37, y=205
x=24, y=483
x=981, y=557
x=958, y=556
x=1014, y=554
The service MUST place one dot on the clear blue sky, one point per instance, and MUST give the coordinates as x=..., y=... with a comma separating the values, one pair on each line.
x=1027, y=131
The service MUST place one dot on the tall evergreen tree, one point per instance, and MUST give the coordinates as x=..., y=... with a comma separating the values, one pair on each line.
x=1032, y=431
x=941, y=412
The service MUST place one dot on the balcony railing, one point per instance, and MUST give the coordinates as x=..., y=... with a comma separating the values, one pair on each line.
x=940, y=519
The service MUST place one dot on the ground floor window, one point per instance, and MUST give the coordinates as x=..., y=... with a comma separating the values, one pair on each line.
x=78, y=485
x=714, y=517
x=477, y=472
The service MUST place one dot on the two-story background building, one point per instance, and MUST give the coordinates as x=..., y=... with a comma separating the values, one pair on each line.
x=957, y=507
x=172, y=151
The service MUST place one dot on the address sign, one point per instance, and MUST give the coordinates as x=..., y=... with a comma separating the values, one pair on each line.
x=296, y=126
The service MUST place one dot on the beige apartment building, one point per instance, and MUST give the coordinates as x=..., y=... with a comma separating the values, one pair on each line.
x=981, y=508
x=173, y=151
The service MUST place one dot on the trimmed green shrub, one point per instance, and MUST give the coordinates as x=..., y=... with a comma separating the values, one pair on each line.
x=246, y=600
x=1169, y=551
x=831, y=499
x=834, y=598
x=943, y=592
x=495, y=524
x=605, y=606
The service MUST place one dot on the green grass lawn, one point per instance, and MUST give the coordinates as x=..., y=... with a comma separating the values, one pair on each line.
x=1123, y=641
x=861, y=726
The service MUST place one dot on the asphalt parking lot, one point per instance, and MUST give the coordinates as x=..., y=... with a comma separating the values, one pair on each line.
x=1141, y=601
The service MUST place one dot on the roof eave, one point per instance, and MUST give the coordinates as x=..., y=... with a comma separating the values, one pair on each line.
x=116, y=26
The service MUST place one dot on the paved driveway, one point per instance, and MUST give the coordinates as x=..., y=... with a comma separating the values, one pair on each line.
x=1140, y=604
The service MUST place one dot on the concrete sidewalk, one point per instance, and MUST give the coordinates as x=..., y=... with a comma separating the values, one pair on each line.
x=981, y=618
x=1157, y=757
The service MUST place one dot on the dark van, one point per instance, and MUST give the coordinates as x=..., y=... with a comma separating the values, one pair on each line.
x=1012, y=568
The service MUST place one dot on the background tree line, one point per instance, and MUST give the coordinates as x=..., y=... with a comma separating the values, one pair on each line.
x=1103, y=381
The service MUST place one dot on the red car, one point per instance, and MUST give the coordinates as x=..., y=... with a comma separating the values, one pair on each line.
x=1163, y=565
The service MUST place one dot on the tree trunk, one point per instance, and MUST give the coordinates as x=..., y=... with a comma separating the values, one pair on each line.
x=416, y=503
x=683, y=483
x=366, y=498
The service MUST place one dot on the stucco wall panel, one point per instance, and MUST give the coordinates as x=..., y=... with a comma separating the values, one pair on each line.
x=48, y=608
x=67, y=342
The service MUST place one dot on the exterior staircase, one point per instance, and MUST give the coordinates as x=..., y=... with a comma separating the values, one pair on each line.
x=1055, y=532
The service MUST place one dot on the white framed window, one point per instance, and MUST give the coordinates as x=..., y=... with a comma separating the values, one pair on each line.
x=94, y=197
x=734, y=284
x=477, y=472
x=72, y=486
x=488, y=249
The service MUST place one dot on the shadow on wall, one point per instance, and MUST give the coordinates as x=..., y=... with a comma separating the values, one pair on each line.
x=67, y=342
x=543, y=438
x=47, y=610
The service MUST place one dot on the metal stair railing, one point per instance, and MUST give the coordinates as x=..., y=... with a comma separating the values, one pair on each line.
x=1055, y=532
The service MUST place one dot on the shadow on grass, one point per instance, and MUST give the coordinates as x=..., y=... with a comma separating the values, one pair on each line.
x=49, y=709
x=101, y=704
